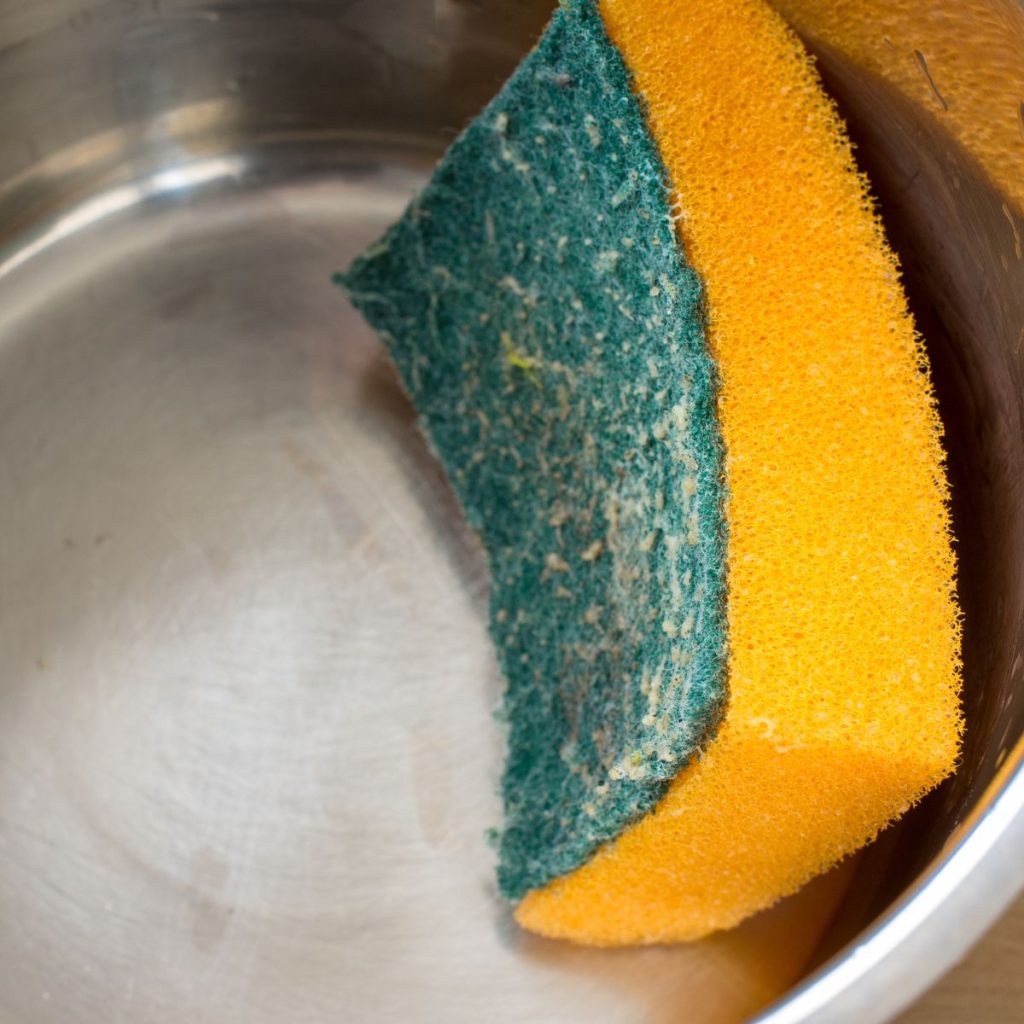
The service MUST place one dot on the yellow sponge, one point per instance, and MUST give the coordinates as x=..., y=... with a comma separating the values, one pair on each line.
x=843, y=626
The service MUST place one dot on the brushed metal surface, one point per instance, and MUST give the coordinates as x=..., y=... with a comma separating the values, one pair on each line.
x=247, y=753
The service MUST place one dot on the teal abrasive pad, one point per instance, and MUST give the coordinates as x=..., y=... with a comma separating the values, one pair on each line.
x=545, y=323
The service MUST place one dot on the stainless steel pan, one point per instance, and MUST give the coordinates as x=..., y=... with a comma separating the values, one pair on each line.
x=247, y=758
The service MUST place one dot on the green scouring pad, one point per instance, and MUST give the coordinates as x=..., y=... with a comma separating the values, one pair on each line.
x=541, y=315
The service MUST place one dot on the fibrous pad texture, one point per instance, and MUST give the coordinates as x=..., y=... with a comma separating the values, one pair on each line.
x=540, y=311
x=843, y=627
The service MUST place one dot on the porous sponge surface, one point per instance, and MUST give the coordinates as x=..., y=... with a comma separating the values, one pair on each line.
x=843, y=626
x=539, y=309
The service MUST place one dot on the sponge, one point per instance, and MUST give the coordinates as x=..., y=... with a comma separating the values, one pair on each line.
x=655, y=243
x=843, y=626
x=549, y=331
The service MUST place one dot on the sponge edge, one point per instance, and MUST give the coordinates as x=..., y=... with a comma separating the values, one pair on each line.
x=844, y=632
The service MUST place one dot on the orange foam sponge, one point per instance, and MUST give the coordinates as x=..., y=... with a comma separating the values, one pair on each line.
x=843, y=626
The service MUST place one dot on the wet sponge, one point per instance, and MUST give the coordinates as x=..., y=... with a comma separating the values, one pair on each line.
x=843, y=628
x=544, y=320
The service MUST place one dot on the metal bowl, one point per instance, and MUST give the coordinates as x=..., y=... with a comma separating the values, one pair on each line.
x=247, y=758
